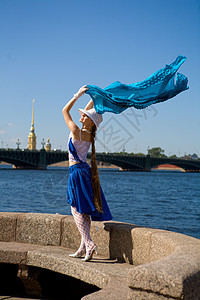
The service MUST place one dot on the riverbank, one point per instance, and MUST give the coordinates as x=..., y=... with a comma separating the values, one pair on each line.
x=168, y=167
x=65, y=164
x=101, y=165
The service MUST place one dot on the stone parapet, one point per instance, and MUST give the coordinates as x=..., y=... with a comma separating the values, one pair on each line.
x=41, y=229
x=8, y=226
x=142, y=263
x=176, y=275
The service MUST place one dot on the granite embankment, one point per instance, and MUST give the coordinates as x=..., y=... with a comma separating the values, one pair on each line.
x=133, y=262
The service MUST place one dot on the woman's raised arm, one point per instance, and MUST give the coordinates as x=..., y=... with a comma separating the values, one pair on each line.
x=66, y=109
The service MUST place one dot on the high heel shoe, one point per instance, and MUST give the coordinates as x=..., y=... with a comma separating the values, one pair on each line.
x=88, y=257
x=77, y=254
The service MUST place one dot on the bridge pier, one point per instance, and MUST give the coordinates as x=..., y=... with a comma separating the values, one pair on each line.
x=147, y=165
x=42, y=160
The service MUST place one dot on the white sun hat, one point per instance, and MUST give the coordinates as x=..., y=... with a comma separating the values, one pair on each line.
x=93, y=115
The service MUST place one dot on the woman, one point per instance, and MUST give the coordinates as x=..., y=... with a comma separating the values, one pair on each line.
x=84, y=193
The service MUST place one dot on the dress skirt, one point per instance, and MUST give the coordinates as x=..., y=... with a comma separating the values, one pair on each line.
x=80, y=193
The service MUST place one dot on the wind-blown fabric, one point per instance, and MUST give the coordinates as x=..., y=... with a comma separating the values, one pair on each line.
x=158, y=87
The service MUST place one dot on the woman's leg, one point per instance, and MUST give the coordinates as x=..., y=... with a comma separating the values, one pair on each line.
x=83, y=222
x=82, y=248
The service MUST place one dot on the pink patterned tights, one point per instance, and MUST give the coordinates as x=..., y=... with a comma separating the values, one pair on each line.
x=83, y=222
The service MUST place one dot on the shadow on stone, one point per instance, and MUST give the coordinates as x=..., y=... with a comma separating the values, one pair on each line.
x=191, y=287
x=10, y=284
x=54, y=285
x=59, y=286
x=120, y=246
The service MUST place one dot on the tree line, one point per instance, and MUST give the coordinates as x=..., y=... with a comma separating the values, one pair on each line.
x=159, y=152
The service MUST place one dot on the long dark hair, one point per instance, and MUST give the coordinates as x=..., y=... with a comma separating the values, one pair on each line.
x=95, y=175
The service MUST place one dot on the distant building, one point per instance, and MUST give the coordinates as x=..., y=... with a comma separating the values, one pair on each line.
x=48, y=145
x=191, y=156
x=194, y=156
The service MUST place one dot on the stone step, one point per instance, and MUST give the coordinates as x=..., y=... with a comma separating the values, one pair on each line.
x=100, y=271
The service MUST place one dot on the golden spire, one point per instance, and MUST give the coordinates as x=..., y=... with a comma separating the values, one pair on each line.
x=32, y=136
x=32, y=124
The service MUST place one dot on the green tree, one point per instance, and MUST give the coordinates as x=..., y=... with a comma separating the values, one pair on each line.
x=140, y=154
x=156, y=151
x=173, y=156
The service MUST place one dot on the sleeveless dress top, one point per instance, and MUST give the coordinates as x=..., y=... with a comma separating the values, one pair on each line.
x=82, y=148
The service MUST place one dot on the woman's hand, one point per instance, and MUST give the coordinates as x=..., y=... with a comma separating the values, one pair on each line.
x=81, y=92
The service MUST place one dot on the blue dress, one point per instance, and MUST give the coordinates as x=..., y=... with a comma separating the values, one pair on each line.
x=79, y=190
x=158, y=87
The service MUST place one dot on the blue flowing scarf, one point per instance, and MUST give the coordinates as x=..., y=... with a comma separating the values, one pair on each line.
x=158, y=87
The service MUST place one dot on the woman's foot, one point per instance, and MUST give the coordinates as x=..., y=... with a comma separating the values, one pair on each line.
x=89, y=255
x=78, y=254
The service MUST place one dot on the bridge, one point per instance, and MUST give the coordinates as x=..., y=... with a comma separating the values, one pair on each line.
x=40, y=159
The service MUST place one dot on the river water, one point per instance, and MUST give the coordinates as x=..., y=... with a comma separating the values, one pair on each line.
x=159, y=199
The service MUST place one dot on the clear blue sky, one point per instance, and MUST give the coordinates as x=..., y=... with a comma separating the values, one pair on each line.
x=49, y=48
